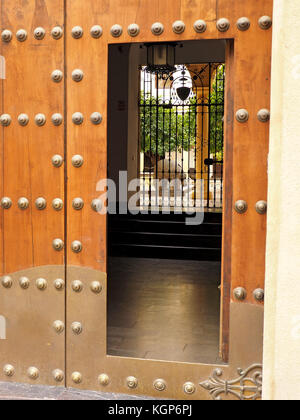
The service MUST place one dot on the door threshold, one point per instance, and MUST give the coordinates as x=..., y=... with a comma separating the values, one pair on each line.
x=16, y=391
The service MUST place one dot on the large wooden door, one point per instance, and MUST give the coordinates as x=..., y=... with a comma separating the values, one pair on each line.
x=57, y=249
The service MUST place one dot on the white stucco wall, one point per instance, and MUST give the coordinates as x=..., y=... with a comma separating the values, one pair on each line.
x=282, y=305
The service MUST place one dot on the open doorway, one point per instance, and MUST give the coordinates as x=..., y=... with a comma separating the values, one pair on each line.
x=166, y=130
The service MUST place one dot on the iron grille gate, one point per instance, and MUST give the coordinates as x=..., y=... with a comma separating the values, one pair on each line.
x=181, y=137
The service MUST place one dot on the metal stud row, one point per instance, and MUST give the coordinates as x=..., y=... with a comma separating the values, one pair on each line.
x=38, y=33
x=78, y=118
x=57, y=204
x=59, y=284
x=33, y=373
x=23, y=119
x=200, y=26
x=240, y=293
x=40, y=203
x=58, y=245
x=95, y=286
x=242, y=115
x=103, y=379
x=24, y=282
x=241, y=207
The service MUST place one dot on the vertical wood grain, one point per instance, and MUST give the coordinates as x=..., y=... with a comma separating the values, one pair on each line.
x=27, y=152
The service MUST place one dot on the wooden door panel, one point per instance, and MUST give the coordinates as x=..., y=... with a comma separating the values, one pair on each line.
x=26, y=158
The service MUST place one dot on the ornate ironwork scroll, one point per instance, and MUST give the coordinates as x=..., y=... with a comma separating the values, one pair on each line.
x=248, y=386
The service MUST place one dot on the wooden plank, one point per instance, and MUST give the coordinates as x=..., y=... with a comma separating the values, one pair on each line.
x=28, y=171
x=88, y=140
x=26, y=154
x=227, y=211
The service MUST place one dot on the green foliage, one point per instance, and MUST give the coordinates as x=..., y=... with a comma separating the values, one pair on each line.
x=217, y=114
x=167, y=128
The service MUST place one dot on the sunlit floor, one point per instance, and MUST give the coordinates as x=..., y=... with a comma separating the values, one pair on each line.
x=164, y=309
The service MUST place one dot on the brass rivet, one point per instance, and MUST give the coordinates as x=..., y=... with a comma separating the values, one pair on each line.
x=133, y=30
x=189, y=388
x=57, y=76
x=160, y=385
x=178, y=27
x=57, y=161
x=58, y=375
x=261, y=207
x=6, y=35
x=7, y=282
x=21, y=35
x=57, y=32
x=76, y=328
x=5, y=120
x=96, y=205
x=77, y=286
x=240, y=293
x=57, y=204
x=23, y=203
x=243, y=24
x=157, y=28
x=9, y=370
x=259, y=295
x=24, y=282
x=58, y=326
x=59, y=284
x=77, y=75
x=77, y=118
x=200, y=26
x=58, y=244
x=6, y=203
x=40, y=203
x=265, y=22
x=39, y=33
x=242, y=115
x=263, y=115
x=40, y=120
x=116, y=31
x=77, y=161
x=78, y=204
x=41, y=284
x=33, y=373
x=96, y=287
x=96, y=31
x=77, y=32
x=57, y=119
x=241, y=206
x=132, y=382
x=76, y=247
x=223, y=25
x=103, y=379
x=96, y=118
x=23, y=119
x=76, y=377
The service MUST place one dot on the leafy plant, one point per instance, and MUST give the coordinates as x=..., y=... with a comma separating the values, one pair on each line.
x=167, y=128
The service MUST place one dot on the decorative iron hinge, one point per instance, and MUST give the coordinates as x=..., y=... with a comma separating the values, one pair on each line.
x=248, y=386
